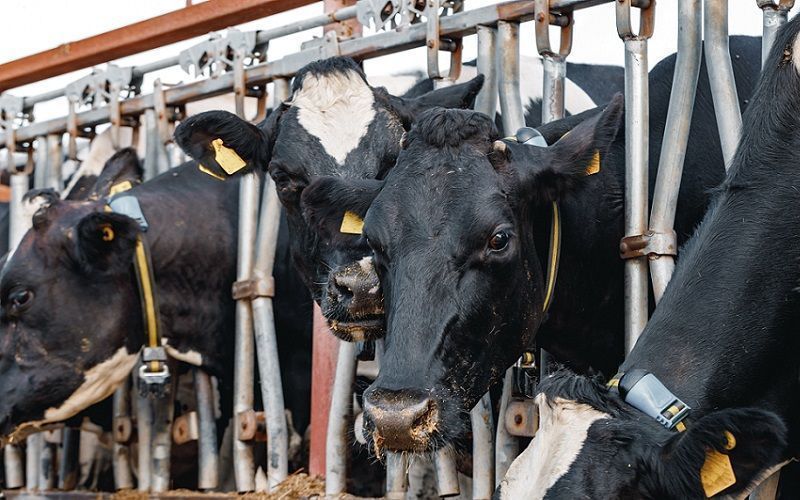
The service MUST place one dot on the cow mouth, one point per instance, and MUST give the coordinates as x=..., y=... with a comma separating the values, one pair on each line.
x=358, y=329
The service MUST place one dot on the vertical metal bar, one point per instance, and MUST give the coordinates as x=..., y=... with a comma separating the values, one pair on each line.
x=244, y=467
x=269, y=367
x=47, y=460
x=163, y=410
x=482, y=449
x=282, y=91
x=122, y=430
x=768, y=489
x=239, y=82
x=555, y=73
x=69, y=466
x=676, y=136
x=55, y=160
x=33, y=454
x=40, y=167
x=444, y=462
x=636, y=184
x=144, y=431
x=774, y=16
x=162, y=135
x=396, y=476
x=207, y=450
x=151, y=145
x=506, y=446
x=13, y=467
x=337, y=445
x=508, y=84
x=486, y=101
x=720, y=76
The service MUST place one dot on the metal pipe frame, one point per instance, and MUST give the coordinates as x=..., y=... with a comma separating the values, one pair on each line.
x=676, y=136
x=506, y=446
x=337, y=443
x=720, y=76
x=13, y=467
x=482, y=449
x=244, y=372
x=266, y=340
x=207, y=449
x=486, y=101
x=33, y=453
x=121, y=459
x=775, y=15
x=396, y=476
x=508, y=80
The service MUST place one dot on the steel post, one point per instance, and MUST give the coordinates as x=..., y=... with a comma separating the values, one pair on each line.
x=396, y=476
x=555, y=73
x=266, y=340
x=163, y=410
x=13, y=467
x=482, y=449
x=69, y=467
x=207, y=449
x=55, y=159
x=775, y=13
x=122, y=431
x=337, y=443
x=144, y=433
x=48, y=459
x=486, y=101
x=444, y=462
x=676, y=137
x=33, y=459
x=506, y=446
x=151, y=145
x=768, y=488
x=720, y=76
x=244, y=468
x=40, y=163
x=281, y=91
x=508, y=83
x=19, y=223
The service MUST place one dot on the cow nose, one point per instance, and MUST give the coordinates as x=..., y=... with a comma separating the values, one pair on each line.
x=400, y=420
x=356, y=287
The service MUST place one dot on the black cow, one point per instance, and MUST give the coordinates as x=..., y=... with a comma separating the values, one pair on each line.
x=723, y=337
x=460, y=234
x=71, y=325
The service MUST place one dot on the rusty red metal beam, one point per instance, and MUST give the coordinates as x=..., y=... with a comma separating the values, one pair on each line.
x=323, y=362
x=151, y=33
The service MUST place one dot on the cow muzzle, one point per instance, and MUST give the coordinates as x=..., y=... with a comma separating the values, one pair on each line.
x=400, y=420
x=355, y=302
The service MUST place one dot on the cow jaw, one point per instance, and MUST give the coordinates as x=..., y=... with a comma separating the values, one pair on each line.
x=563, y=427
x=337, y=109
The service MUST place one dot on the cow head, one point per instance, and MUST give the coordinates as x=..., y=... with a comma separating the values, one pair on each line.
x=590, y=444
x=451, y=231
x=54, y=365
x=336, y=125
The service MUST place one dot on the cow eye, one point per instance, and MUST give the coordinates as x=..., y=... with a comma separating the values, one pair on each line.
x=499, y=241
x=19, y=300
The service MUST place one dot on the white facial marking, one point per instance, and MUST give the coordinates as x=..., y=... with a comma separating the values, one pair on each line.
x=563, y=426
x=191, y=357
x=99, y=382
x=796, y=53
x=337, y=109
x=366, y=264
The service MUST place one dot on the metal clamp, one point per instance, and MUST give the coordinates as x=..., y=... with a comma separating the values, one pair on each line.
x=649, y=244
x=186, y=428
x=646, y=19
x=785, y=5
x=646, y=393
x=253, y=288
x=252, y=426
x=544, y=19
x=380, y=13
x=434, y=42
x=154, y=383
x=216, y=54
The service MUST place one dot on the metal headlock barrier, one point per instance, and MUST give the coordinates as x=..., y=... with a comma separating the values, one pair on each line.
x=237, y=63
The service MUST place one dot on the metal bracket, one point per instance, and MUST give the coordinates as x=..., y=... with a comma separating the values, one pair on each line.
x=252, y=426
x=186, y=428
x=216, y=54
x=648, y=395
x=434, y=42
x=154, y=384
x=522, y=418
x=379, y=13
x=649, y=244
x=12, y=108
x=122, y=429
x=253, y=288
x=103, y=85
x=544, y=18
x=646, y=18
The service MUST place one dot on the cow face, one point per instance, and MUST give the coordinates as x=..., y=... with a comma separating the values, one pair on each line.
x=450, y=228
x=590, y=444
x=54, y=365
x=335, y=125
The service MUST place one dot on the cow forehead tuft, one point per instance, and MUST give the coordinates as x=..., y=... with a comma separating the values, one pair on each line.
x=439, y=127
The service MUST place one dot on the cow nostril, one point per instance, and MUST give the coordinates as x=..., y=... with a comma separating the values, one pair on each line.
x=341, y=290
x=400, y=422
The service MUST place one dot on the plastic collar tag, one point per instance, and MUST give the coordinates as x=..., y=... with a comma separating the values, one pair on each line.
x=351, y=223
x=594, y=165
x=717, y=472
x=205, y=170
x=129, y=205
x=652, y=398
x=227, y=158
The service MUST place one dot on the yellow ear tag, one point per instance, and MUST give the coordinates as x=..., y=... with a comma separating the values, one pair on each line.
x=227, y=158
x=120, y=188
x=203, y=169
x=351, y=223
x=717, y=472
x=108, y=233
x=594, y=165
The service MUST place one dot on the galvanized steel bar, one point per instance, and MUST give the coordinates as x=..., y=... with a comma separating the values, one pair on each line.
x=207, y=450
x=144, y=433
x=508, y=83
x=720, y=76
x=19, y=223
x=676, y=136
x=244, y=372
x=269, y=367
x=337, y=443
x=775, y=14
x=33, y=459
x=48, y=459
x=55, y=160
x=239, y=82
x=636, y=161
x=163, y=410
x=396, y=475
x=506, y=446
x=486, y=101
x=122, y=432
x=444, y=462
x=69, y=465
x=482, y=449
x=13, y=467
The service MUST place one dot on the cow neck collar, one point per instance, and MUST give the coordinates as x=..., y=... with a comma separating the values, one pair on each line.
x=154, y=372
x=645, y=392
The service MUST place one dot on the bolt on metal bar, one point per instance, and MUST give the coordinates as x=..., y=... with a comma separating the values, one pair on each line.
x=720, y=76
x=508, y=84
x=676, y=136
x=482, y=449
x=122, y=430
x=775, y=14
x=207, y=451
x=337, y=444
x=486, y=101
x=244, y=372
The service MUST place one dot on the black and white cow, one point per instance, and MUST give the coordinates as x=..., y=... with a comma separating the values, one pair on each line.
x=723, y=337
x=337, y=125
x=460, y=233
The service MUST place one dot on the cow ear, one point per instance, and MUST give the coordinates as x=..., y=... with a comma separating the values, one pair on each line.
x=549, y=173
x=123, y=167
x=334, y=205
x=460, y=96
x=225, y=144
x=105, y=242
x=726, y=452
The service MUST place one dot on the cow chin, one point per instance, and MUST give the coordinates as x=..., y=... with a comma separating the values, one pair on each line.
x=358, y=330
